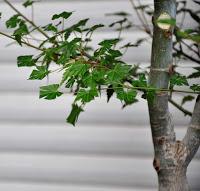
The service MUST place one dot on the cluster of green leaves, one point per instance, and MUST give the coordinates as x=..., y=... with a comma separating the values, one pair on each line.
x=85, y=71
x=86, y=74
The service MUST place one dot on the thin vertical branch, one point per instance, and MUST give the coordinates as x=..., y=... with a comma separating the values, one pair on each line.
x=140, y=17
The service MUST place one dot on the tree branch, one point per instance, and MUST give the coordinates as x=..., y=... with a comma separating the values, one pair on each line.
x=192, y=137
x=23, y=42
x=179, y=107
x=187, y=56
x=146, y=28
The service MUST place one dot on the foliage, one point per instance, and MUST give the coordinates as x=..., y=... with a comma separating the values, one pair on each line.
x=90, y=73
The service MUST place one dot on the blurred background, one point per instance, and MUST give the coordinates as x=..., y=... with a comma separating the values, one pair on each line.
x=110, y=149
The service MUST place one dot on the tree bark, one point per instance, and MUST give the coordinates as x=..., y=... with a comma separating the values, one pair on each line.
x=171, y=156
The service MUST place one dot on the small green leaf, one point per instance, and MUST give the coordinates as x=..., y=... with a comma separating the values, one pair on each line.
x=86, y=95
x=108, y=43
x=50, y=92
x=39, y=74
x=186, y=34
x=76, y=27
x=118, y=73
x=186, y=99
x=22, y=30
x=89, y=80
x=114, y=53
x=50, y=27
x=195, y=87
x=13, y=21
x=28, y=3
x=75, y=112
x=26, y=61
x=76, y=69
x=141, y=82
x=128, y=96
x=64, y=15
x=178, y=80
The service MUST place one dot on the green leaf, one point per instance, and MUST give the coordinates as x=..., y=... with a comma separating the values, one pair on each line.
x=39, y=74
x=26, y=61
x=50, y=92
x=186, y=99
x=86, y=95
x=128, y=96
x=13, y=21
x=114, y=53
x=76, y=69
x=195, y=87
x=186, y=34
x=178, y=80
x=28, y=3
x=76, y=27
x=141, y=82
x=118, y=73
x=108, y=43
x=75, y=112
x=22, y=30
x=50, y=27
x=89, y=80
x=64, y=15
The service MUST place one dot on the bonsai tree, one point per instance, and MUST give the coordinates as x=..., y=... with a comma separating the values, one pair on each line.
x=87, y=73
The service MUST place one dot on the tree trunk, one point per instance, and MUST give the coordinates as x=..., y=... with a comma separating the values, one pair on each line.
x=171, y=156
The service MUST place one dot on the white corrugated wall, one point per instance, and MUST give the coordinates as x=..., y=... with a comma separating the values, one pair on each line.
x=109, y=150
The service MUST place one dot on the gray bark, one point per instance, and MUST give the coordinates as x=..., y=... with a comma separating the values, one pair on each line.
x=171, y=156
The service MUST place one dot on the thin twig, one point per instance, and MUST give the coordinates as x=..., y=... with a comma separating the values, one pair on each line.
x=140, y=18
x=190, y=48
x=186, y=112
x=187, y=56
x=23, y=42
x=145, y=19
